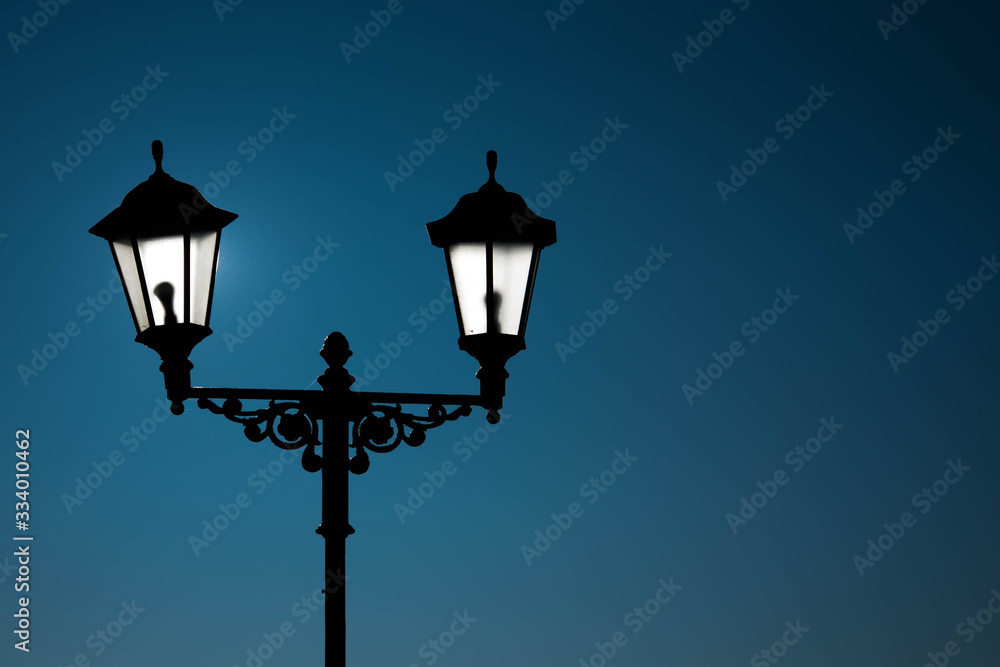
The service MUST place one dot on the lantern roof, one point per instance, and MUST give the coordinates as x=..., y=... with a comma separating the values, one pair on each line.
x=161, y=206
x=491, y=214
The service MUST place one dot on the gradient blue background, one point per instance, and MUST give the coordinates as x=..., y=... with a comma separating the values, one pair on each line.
x=665, y=517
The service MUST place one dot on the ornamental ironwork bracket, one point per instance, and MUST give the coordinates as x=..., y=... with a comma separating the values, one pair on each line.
x=293, y=419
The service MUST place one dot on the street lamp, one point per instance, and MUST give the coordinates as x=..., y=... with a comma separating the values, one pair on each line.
x=492, y=263
x=165, y=240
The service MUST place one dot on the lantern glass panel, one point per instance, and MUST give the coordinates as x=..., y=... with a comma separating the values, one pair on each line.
x=202, y=276
x=511, y=271
x=468, y=266
x=163, y=268
x=122, y=248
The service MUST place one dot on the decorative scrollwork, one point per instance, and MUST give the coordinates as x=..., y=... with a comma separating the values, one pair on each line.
x=384, y=427
x=288, y=424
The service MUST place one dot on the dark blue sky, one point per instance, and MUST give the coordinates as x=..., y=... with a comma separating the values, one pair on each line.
x=705, y=164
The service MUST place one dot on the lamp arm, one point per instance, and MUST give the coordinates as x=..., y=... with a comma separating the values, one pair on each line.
x=426, y=399
x=220, y=393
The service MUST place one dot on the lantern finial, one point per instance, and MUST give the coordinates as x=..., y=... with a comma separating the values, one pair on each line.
x=158, y=154
x=491, y=164
x=491, y=186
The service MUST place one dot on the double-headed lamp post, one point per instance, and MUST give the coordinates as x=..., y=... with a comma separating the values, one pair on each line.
x=165, y=240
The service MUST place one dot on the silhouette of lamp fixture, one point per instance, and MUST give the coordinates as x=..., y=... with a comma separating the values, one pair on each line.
x=165, y=240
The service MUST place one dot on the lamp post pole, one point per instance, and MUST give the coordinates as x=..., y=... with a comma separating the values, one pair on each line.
x=165, y=241
x=335, y=524
x=335, y=528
